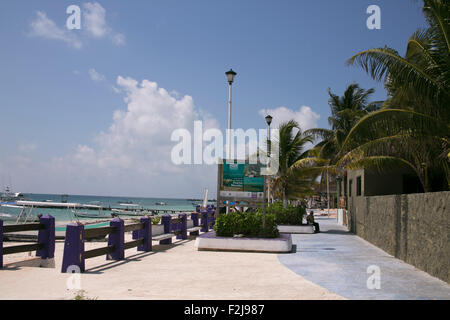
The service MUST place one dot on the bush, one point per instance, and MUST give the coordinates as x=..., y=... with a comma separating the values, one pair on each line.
x=289, y=216
x=248, y=224
x=156, y=220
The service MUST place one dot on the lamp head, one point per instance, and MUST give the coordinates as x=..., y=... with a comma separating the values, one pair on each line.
x=269, y=120
x=230, y=76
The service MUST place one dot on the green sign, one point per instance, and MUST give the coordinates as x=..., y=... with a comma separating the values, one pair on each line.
x=242, y=177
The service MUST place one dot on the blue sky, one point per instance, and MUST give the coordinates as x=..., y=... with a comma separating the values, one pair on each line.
x=59, y=89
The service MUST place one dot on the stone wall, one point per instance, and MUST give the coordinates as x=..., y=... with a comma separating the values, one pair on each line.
x=414, y=228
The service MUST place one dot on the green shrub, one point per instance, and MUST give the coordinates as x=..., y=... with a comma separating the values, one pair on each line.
x=287, y=216
x=156, y=220
x=247, y=224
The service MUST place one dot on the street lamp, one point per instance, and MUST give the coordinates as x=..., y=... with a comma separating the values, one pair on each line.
x=269, y=121
x=230, y=78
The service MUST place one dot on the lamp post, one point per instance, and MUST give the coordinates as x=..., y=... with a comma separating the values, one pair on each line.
x=230, y=78
x=268, y=121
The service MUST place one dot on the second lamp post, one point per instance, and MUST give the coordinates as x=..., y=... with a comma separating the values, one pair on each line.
x=269, y=121
x=230, y=77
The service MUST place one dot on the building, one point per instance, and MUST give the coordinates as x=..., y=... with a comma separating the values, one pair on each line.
x=371, y=182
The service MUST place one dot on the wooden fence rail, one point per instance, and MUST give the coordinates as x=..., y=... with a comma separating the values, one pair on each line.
x=45, y=246
x=74, y=247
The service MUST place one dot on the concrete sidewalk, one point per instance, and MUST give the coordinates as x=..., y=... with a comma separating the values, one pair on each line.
x=176, y=271
x=338, y=260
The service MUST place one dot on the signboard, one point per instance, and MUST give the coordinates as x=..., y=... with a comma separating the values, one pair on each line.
x=239, y=181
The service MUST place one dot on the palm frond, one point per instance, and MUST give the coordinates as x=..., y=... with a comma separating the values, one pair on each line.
x=380, y=62
x=380, y=163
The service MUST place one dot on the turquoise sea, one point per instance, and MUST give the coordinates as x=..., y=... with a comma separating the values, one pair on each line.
x=66, y=215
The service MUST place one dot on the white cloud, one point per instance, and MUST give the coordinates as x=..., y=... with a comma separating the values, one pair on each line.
x=44, y=27
x=95, y=19
x=118, y=39
x=133, y=156
x=27, y=147
x=305, y=117
x=94, y=16
x=94, y=22
x=95, y=76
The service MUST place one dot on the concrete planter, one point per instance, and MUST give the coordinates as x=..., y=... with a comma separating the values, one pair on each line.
x=296, y=229
x=209, y=241
x=157, y=229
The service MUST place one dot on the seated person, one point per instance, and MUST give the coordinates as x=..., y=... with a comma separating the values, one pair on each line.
x=310, y=220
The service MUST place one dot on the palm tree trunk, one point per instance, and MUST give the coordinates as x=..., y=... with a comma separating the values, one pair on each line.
x=423, y=177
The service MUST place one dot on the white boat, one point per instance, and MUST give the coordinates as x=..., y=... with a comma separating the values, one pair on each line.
x=7, y=217
x=16, y=219
x=130, y=214
x=130, y=209
x=160, y=203
x=26, y=210
x=27, y=207
x=7, y=195
x=89, y=215
x=22, y=216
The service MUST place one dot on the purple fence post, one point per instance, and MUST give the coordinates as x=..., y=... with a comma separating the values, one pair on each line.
x=205, y=223
x=194, y=218
x=145, y=233
x=47, y=237
x=73, y=247
x=1, y=244
x=212, y=218
x=117, y=239
x=166, y=221
x=197, y=209
x=183, y=228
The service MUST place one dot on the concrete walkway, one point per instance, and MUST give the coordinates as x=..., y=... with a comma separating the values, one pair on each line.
x=338, y=260
x=176, y=271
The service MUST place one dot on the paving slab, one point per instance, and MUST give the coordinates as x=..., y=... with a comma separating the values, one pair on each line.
x=176, y=271
x=338, y=261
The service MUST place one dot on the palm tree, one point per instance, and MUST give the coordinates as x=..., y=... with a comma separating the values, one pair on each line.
x=345, y=112
x=296, y=171
x=412, y=128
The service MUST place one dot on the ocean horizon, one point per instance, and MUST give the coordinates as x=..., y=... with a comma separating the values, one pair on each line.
x=106, y=202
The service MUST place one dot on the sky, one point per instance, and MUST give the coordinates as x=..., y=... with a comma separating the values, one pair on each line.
x=91, y=111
